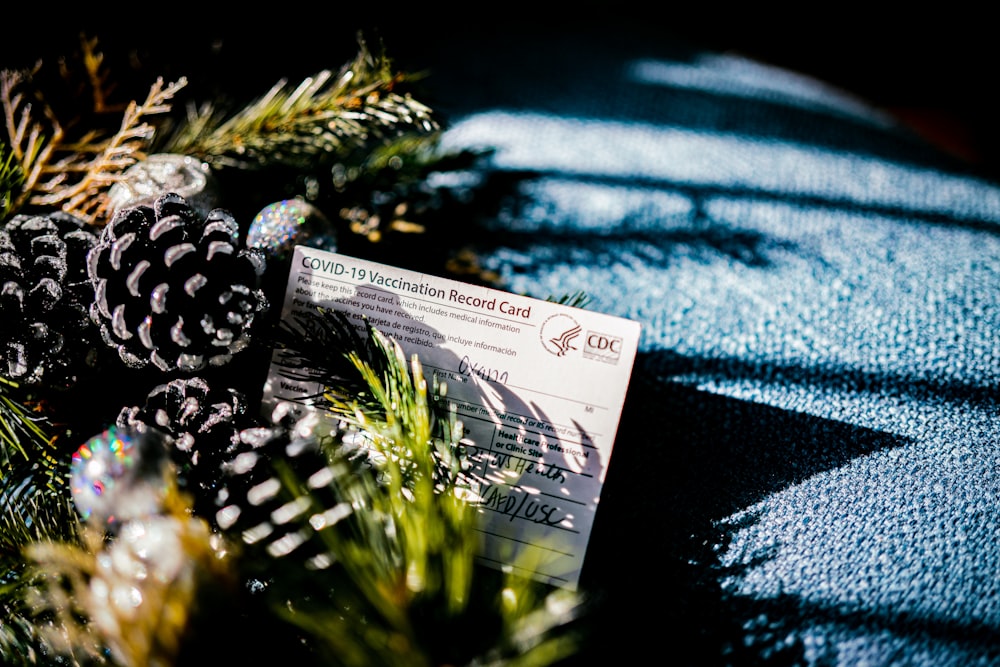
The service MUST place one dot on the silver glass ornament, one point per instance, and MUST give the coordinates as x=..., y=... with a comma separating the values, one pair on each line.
x=161, y=173
x=119, y=475
x=281, y=226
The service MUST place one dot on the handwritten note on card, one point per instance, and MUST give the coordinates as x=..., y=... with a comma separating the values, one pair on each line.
x=539, y=387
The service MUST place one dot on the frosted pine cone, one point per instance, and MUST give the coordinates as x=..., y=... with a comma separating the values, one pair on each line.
x=172, y=290
x=46, y=334
x=204, y=424
x=278, y=491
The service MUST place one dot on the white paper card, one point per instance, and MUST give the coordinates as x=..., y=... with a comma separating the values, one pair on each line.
x=539, y=387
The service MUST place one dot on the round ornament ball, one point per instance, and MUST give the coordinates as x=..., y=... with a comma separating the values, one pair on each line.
x=281, y=226
x=160, y=173
x=120, y=475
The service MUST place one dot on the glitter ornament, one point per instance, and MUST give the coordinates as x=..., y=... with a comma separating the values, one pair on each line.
x=160, y=173
x=119, y=475
x=280, y=226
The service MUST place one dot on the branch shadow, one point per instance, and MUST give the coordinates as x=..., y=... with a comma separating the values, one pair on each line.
x=499, y=210
x=794, y=614
x=684, y=460
x=503, y=190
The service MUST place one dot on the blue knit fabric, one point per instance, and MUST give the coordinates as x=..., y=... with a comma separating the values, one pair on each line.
x=808, y=465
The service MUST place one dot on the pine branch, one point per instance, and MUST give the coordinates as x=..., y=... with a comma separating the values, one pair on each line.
x=32, y=148
x=325, y=116
x=101, y=84
x=74, y=173
x=19, y=642
x=303, y=344
x=578, y=299
x=35, y=508
x=11, y=179
x=322, y=346
x=87, y=197
x=407, y=552
x=22, y=431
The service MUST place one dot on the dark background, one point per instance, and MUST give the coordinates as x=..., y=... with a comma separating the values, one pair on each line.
x=934, y=68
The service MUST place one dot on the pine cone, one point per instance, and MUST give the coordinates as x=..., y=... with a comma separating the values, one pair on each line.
x=277, y=488
x=45, y=294
x=204, y=424
x=174, y=291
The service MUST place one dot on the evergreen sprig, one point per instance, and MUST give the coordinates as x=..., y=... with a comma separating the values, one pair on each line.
x=578, y=299
x=324, y=116
x=23, y=431
x=355, y=383
x=69, y=163
x=303, y=342
x=29, y=140
x=35, y=508
x=406, y=588
x=357, y=112
x=11, y=179
x=102, y=162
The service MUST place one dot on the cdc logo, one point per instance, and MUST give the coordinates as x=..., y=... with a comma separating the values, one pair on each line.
x=559, y=334
x=603, y=347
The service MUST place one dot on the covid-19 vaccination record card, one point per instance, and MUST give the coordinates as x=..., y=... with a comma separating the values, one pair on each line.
x=539, y=387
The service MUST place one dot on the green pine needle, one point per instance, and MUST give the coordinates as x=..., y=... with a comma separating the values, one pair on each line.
x=22, y=432
x=578, y=299
x=325, y=116
x=11, y=178
x=19, y=642
x=35, y=508
x=303, y=343
x=406, y=588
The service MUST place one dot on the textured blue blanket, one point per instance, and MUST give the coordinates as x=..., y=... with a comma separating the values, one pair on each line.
x=808, y=465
